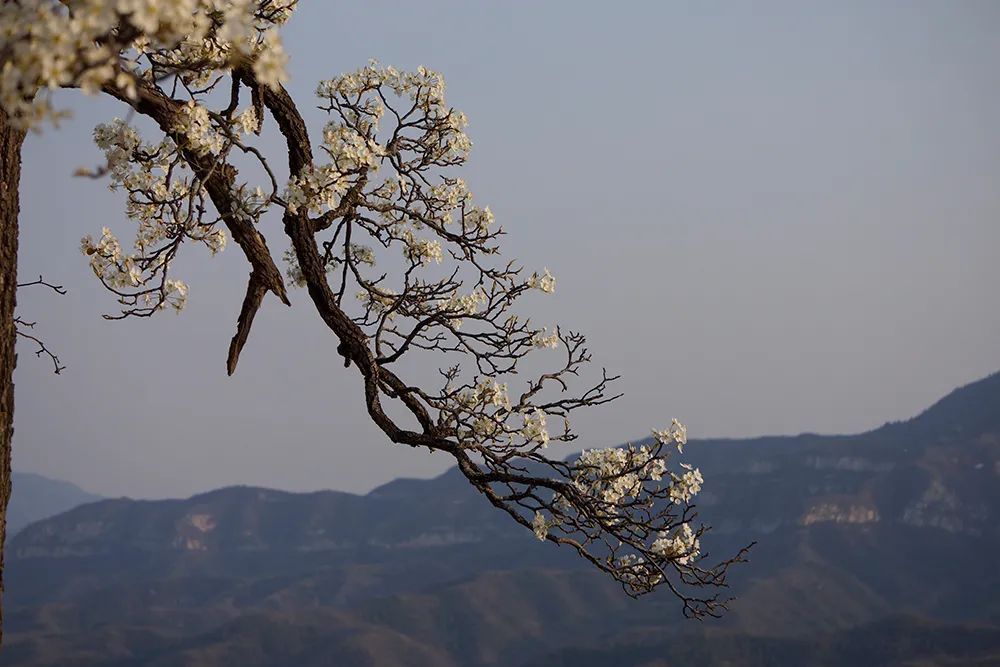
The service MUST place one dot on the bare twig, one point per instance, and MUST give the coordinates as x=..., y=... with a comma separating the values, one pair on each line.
x=20, y=326
x=59, y=289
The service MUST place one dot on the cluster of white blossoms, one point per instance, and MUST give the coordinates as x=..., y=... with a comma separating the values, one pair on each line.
x=637, y=571
x=450, y=195
x=383, y=173
x=480, y=219
x=380, y=300
x=423, y=87
x=422, y=251
x=486, y=393
x=270, y=58
x=118, y=140
x=545, y=282
x=238, y=30
x=458, y=305
x=314, y=188
x=165, y=201
x=611, y=475
x=541, y=525
x=350, y=150
x=88, y=44
x=487, y=404
x=535, y=429
x=622, y=480
x=248, y=122
x=200, y=134
x=676, y=434
x=175, y=293
x=545, y=339
x=681, y=546
x=119, y=271
x=108, y=262
x=404, y=200
x=686, y=486
x=362, y=254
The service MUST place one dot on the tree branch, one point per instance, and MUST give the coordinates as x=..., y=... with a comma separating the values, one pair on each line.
x=20, y=325
x=256, y=289
x=58, y=289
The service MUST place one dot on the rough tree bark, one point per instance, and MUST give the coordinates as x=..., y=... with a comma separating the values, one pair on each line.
x=10, y=176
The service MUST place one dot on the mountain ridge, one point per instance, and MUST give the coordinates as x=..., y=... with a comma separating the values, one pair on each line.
x=35, y=497
x=900, y=522
x=447, y=500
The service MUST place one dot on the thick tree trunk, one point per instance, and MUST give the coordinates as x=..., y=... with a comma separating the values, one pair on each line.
x=10, y=177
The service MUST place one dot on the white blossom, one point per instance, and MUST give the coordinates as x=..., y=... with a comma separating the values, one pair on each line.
x=681, y=546
x=686, y=486
x=677, y=433
x=480, y=219
x=540, y=526
x=47, y=47
x=248, y=121
x=545, y=282
x=422, y=251
x=176, y=294
x=544, y=339
x=492, y=393
x=271, y=59
x=461, y=304
x=534, y=427
x=195, y=125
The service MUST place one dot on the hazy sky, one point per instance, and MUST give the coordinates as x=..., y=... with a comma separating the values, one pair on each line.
x=769, y=218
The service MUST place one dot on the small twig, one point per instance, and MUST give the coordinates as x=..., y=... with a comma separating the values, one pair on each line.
x=59, y=289
x=21, y=324
x=42, y=349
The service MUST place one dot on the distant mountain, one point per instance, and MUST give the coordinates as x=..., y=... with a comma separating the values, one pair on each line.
x=896, y=640
x=876, y=549
x=34, y=497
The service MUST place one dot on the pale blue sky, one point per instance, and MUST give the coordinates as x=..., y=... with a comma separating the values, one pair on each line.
x=770, y=218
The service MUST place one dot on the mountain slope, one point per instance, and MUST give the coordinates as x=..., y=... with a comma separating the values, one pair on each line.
x=35, y=497
x=852, y=531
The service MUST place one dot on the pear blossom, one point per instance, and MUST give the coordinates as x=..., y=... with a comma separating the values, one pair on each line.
x=269, y=64
x=198, y=130
x=677, y=433
x=540, y=526
x=48, y=47
x=422, y=251
x=534, y=427
x=686, y=486
x=681, y=546
x=248, y=121
x=545, y=282
x=544, y=339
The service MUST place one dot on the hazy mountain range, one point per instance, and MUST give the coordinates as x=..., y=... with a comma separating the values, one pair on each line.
x=36, y=497
x=873, y=549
